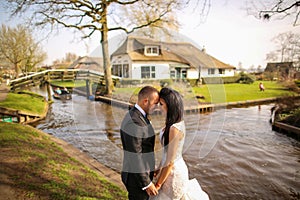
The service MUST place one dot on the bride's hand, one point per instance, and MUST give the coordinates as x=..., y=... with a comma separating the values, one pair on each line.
x=157, y=186
x=156, y=172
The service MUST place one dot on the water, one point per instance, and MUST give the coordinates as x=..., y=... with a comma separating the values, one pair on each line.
x=233, y=153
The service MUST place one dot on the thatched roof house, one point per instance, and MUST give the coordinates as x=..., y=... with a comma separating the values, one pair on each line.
x=88, y=63
x=166, y=59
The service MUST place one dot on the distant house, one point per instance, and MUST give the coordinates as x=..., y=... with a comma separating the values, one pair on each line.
x=141, y=58
x=282, y=70
x=89, y=63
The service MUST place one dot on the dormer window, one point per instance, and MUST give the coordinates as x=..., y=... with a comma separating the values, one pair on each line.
x=151, y=50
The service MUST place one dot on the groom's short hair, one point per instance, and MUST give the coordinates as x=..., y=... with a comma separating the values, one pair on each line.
x=146, y=92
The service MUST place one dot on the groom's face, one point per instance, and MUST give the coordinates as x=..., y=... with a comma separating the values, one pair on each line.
x=153, y=100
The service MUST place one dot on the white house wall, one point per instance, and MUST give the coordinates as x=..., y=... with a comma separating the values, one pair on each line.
x=162, y=70
x=192, y=74
x=121, y=60
x=228, y=72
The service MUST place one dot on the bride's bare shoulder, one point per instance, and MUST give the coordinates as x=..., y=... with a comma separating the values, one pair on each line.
x=175, y=132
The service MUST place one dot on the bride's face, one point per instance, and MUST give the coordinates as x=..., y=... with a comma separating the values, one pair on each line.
x=163, y=106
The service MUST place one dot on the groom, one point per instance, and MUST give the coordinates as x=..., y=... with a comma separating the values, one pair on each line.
x=138, y=140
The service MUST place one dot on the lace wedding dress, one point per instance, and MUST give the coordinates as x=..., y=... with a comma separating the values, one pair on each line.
x=178, y=186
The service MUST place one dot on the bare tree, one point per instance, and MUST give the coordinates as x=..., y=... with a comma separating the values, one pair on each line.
x=65, y=61
x=18, y=48
x=91, y=16
x=259, y=69
x=287, y=48
x=240, y=67
x=252, y=69
x=275, y=8
x=35, y=56
x=70, y=57
x=272, y=56
x=143, y=14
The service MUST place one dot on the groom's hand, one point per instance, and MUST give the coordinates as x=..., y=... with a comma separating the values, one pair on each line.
x=151, y=190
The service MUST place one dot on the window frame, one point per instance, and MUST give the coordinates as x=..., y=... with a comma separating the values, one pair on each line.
x=211, y=71
x=221, y=71
x=151, y=50
x=148, y=72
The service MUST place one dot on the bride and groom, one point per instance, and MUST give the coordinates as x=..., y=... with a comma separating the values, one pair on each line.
x=138, y=139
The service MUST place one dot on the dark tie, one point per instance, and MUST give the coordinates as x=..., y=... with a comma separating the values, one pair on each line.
x=147, y=120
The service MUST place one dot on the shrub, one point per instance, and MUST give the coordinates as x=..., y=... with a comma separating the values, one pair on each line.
x=215, y=80
x=166, y=82
x=246, y=78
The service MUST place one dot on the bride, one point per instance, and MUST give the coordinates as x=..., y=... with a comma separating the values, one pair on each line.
x=172, y=175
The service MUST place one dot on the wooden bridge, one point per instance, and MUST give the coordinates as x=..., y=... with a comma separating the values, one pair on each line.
x=62, y=75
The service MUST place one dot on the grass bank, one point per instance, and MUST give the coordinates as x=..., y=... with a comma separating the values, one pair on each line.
x=35, y=167
x=25, y=101
x=291, y=118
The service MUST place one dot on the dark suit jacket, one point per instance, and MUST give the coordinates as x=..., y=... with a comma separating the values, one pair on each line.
x=138, y=140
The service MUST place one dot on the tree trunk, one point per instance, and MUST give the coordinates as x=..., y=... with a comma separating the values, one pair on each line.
x=106, y=60
x=17, y=70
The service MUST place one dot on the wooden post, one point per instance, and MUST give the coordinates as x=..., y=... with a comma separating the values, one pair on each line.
x=47, y=82
x=48, y=91
x=88, y=88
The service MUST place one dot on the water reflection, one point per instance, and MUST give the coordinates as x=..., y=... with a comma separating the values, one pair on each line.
x=233, y=153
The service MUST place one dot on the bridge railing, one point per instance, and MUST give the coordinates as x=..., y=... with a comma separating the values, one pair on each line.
x=27, y=81
x=58, y=74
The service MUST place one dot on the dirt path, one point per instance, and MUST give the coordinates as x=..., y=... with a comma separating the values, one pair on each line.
x=3, y=91
x=7, y=192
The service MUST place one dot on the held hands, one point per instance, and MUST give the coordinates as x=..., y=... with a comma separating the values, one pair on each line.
x=157, y=186
x=156, y=172
x=151, y=190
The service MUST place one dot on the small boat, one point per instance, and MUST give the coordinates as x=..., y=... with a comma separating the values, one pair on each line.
x=62, y=93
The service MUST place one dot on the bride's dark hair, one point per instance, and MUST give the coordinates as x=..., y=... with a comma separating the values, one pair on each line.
x=175, y=109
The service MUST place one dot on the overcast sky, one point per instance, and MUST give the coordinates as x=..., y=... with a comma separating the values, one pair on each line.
x=228, y=34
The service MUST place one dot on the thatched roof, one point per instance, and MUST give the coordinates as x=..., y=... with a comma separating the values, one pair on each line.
x=86, y=62
x=281, y=66
x=179, y=52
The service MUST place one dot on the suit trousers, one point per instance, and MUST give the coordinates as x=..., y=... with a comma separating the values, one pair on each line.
x=135, y=192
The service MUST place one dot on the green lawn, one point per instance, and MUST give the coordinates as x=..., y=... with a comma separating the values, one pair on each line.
x=25, y=101
x=220, y=93
x=69, y=84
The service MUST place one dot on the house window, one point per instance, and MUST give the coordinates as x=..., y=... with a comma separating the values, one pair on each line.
x=117, y=70
x=151, y=51
x=221, y=71
x=147, y=72
x=211, y=71
x=172, y=74
x=183, y=74
x=125, y=70
x=120, y=70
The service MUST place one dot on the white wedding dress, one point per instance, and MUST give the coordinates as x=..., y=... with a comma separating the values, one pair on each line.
x=177, y=185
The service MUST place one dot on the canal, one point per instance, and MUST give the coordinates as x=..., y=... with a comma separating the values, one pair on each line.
x=233, y=153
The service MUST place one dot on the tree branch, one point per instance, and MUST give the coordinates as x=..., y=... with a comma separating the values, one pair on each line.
x=124, y=3
x=277, y=9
